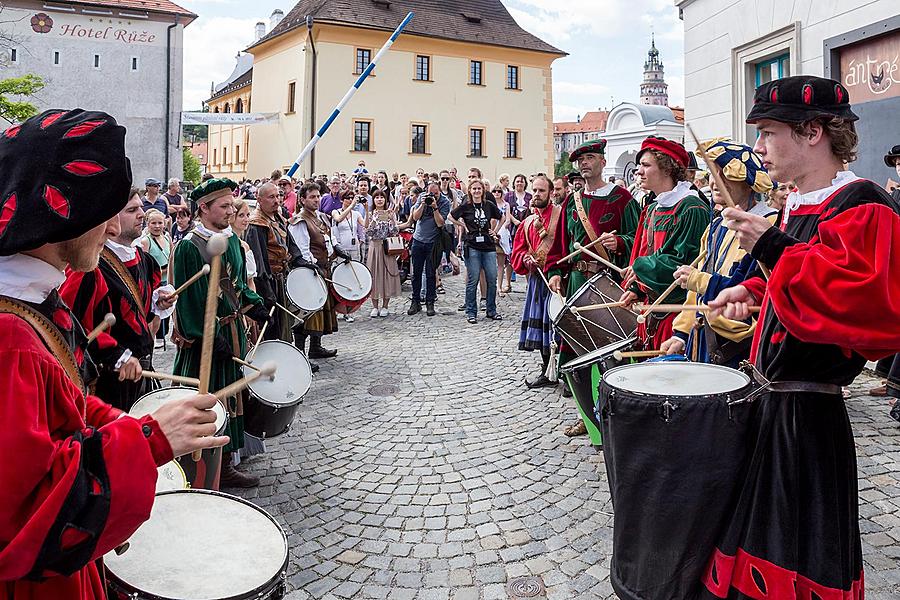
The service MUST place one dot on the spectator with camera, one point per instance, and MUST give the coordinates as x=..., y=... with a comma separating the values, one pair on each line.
x=479, y=219
x=429, y=214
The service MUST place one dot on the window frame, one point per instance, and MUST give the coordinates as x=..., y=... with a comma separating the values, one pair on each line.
x=482, y=141
x=224, y=155
x=135, y=64
x=96, y=62
x=430, y=59
x=518, y=71
x=518, y=153
x=56, y=58
x=356, y=69
x=427, y=145
x=237, y=154
x=480, y=82
x=370, y=136
x=13, y=55
x=291, y=98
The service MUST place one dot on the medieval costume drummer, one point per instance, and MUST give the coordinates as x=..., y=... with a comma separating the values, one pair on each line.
x=214, y=209
x=723, y=263
x=78, y=476
x=668, y=233
x=603, y=208
x=529, y=254
x=831, y=303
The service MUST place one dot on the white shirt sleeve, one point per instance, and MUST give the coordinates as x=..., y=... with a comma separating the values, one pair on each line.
x=301, y=237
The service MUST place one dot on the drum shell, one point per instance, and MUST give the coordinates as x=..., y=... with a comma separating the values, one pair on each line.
x=584, y=378
x=274, y=589
x=672, y=483
x=343, y=303
x=270, y=406
x=584, y=335
x=265, y=421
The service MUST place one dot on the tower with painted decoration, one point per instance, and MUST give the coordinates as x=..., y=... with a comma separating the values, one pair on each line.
x=654, y=90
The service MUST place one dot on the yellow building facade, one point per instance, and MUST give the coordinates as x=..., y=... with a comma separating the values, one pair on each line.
x=229, y=145
x=432, y=102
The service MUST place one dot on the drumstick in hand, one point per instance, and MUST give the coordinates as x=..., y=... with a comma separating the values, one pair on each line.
x=267, y=370
x=669, y=308
x=262, y=333
x=289, y=312
x=619, y=355
x=571, y=255
x=108, y=321
x=244, y=363
x=643, y=316
x=173, y=378
x=599, y=258
x=193, y=279
x=216, y=246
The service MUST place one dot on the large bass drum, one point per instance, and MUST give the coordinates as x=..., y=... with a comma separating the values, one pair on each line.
x=674, y=443
x=273, y=403
x=201, y=545
x=588, y=329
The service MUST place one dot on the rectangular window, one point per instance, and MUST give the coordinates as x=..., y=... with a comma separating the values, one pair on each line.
x=423, y=68
x=96, y=61
x=292, y=96
x=237, y=154
x=134, y=63
x=476, y=142
x=475, y=72
x=512, y=144
x=224, y=156
x=362, y=141
x=363, y=58
x=13, y=55
x=772, y=69
x=419, y=139
x=214, y=157
x=512, y=77
x=56, y=58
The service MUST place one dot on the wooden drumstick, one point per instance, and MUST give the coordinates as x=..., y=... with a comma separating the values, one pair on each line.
x=668, y=308
x=193, y=279
x=643, y=316
x=244, y=363
x=267, y=370
x=339, y=284
x=599, y=258
x=571, y=255
x=288, y=311
x=216, y=246
x=259, y=338
x=173, y=378
x=546, y=282
x=108, y=321
x=618, y=355
x=599, y=306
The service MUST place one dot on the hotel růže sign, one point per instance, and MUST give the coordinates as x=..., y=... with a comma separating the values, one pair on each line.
x=871, y=69
x=100, y=29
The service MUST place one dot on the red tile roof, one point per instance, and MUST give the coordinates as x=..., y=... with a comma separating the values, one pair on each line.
x=592, y=121
x=159, y=6
x=678, y=112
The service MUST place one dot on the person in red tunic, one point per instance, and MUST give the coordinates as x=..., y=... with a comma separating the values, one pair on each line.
x=831, y=303
x=529, y=255
x=78, y=476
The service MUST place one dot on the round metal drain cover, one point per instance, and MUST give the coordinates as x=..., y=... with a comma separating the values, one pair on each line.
x=383, y=389
x=525, y=587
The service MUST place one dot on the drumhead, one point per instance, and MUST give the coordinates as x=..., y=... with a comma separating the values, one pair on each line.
x=170, y=476
x=596, y=356
x=676, y=379
x=346, y=285
x=555, y=306
x=306, y=289
x=292, y=379
x=202, y=545
x=149, y=403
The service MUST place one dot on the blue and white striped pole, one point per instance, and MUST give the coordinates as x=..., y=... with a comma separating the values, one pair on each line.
x=353, y=89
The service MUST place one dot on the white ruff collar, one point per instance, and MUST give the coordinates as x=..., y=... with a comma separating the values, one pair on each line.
x=204, y=232
x=795, y=200
x=27, y=278
x=604, y=191
x=669, y=199
x=125, y=253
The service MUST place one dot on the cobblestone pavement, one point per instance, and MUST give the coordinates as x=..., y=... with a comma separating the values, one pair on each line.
x=421, y=467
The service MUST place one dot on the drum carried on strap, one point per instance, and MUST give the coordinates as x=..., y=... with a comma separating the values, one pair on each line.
x=203, y=474
x=306, y=291
x=586, y=328
x=201, y=544
x=674, y=436
x=351, y=286
x=273, y=403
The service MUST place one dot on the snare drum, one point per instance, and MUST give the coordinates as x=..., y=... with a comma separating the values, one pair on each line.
x=674, y=436
x=352, y=284
x=306, y=291
x=170, y=476
x=201, y=544
x=203, y=474
x=273, y=404
x=592, y=329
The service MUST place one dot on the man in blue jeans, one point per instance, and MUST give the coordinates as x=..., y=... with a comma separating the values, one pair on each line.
x=429, y=213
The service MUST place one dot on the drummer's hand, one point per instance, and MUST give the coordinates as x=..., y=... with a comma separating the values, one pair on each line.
x=165, y=300
x=733, y=303
x=189, y=424
x=628, y=277
x=555, y=283
x=747, y=227
x=609, y=241
x=682, y=274
x=628, y=298
x=673, y=345
x=131, y=370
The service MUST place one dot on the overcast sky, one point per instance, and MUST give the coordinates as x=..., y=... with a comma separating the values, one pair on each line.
x=607, y=42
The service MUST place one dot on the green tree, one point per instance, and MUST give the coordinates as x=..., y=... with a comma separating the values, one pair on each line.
x=563, y=165
x=195, y=133
x=191, y=166
x=13, y=110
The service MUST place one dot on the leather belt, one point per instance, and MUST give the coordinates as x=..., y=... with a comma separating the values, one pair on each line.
x=586, y=266
x=803, y=387
x=223, y=321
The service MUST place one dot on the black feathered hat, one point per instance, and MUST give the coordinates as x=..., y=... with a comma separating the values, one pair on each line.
x=62, y=173
x=799, y=99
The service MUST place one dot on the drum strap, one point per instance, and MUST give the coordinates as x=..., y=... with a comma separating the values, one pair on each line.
x=586, y=223
x=787, y=387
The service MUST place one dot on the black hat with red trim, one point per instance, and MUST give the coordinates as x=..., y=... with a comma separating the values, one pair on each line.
x=63, y=173
x=799, y=99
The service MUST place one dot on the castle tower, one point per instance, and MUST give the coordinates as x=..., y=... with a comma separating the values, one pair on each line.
x=654, y=88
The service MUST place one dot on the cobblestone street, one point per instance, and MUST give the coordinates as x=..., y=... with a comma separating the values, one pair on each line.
x=421, y=467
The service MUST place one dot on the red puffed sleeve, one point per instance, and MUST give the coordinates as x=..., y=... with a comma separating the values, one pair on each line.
x=757, y=287
x=71, y=492
x=845, y=289
x=560, y=246
x=519, y=251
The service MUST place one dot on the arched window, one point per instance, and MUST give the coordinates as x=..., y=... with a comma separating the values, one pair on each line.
x=216, y=109
x=227, y=107
x=239, y=106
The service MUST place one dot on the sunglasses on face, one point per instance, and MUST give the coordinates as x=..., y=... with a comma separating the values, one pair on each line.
x=497, y=192
x=445, y=179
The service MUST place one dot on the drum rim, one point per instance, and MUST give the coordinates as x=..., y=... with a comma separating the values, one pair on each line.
x=607, y=350
x=270, y=584
x=569, y=302
x=318, y=279
x=244, y=371
x=339, y=297
x=177, y=464
x=716, y=395
x=217, y=406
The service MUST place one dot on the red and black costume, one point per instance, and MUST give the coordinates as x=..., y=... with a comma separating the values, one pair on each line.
x=92, y=295
x=77, y=480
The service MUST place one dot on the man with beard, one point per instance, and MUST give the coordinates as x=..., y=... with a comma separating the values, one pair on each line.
x=529, y=254
x=126, y=284
x=588, y=215
x=78, y=476
x=215, y=208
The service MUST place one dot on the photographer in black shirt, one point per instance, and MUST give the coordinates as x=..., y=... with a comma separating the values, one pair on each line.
x=479, y=219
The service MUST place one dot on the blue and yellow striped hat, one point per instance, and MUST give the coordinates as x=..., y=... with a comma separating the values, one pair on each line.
x=739, y=163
